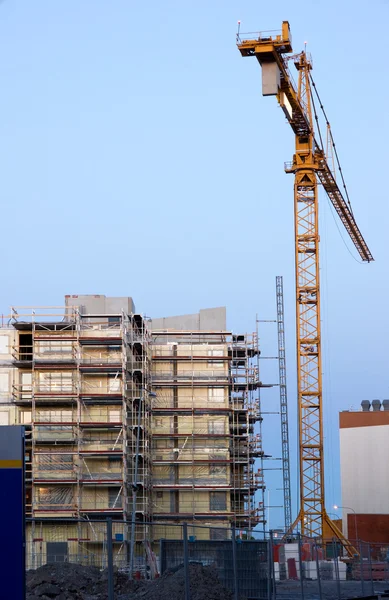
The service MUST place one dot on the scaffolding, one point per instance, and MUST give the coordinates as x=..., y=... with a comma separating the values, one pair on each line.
x=138, y=425
x=83, y=386
x=204, y=441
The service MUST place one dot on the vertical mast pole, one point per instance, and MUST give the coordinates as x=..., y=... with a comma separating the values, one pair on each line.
x=283, y=402
x=309, y=370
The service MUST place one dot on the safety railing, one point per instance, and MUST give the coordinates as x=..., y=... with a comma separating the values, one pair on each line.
x=22, y=392
x=218, y=374
x=192, y=454
x=115, y=387
x=22, y=353
x=99, y=358
x=56, y=434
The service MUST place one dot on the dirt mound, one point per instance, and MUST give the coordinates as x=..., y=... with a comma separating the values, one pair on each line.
x=204, y=585
x=64, y=581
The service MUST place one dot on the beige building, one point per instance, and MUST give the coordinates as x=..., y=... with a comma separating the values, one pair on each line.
x=105, y=394
x=203, y=441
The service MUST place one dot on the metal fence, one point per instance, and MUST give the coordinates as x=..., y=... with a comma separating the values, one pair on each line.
x=242, y=566
x=249, y=564
x=320, y=569
x=241, y=562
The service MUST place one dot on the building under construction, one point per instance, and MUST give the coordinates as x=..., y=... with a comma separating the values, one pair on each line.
x=204, y=444
x=147, y=421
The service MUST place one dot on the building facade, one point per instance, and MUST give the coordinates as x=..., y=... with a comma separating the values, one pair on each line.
x=364, y=444
x=204, y=444
x=151, y=422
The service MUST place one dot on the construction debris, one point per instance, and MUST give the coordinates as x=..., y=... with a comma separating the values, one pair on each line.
x=64, y=581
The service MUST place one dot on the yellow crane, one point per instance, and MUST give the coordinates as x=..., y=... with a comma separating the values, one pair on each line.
x=309, y=167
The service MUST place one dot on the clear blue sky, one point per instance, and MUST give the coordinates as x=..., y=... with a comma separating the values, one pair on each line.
x=139, y=158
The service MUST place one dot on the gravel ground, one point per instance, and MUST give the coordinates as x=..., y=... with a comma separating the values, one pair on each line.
x=291, y=590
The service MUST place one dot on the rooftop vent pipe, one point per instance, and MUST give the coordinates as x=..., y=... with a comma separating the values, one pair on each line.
x=376, y=404
x=385, y=404
x=365, y=405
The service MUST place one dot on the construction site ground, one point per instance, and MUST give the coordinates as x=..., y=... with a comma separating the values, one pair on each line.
x=64, y=581
x=291, y=590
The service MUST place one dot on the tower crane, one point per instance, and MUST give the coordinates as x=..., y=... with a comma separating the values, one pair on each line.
x=309, y=166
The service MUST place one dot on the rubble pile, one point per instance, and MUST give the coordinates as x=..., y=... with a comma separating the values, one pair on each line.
x=65, y=581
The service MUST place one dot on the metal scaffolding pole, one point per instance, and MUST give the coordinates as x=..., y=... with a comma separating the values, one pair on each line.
x=283, y=402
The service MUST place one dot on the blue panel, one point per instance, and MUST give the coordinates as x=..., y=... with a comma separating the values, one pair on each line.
x=12, y=541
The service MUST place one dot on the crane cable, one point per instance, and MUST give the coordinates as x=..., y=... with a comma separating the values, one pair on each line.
x=339, y=167
x=317, y=120
x=332, y=141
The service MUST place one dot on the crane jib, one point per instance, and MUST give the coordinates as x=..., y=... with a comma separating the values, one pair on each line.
x=269, y=51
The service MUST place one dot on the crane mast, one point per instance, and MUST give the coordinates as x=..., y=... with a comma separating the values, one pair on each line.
x=283, y=402
x=308, y=333
x=308, y=166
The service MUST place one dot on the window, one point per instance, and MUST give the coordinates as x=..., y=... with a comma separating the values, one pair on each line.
x=55, y=462
x=217, y=470
x=26, y=385
x=4, y=418
x=219, y=534
x=64, y=347
x=159, y=494
x=25, y=346
x=54, y=416
x=114, y=497
x=168, y=443
x=26, y=379
x=216, y=427
x=114, y=321
x=4, y=382
x=114, y=384
x=215, y=363
x=217, y=501
x=59, y=381
x=4, y=344
x=114, y=416
x=216, y=394
x=51, y=497
x=25, y=417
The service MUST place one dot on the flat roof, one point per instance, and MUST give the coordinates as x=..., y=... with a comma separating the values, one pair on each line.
x=348, y=419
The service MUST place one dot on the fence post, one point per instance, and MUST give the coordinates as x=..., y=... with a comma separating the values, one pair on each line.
x=110, y=560
x=361, y=567
x=235, y=563
x=318, y=571
x=269, y=568
x=272, y=574
x=301, y=565
x=336, y=565
x=370, y=568
x=186, y=560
